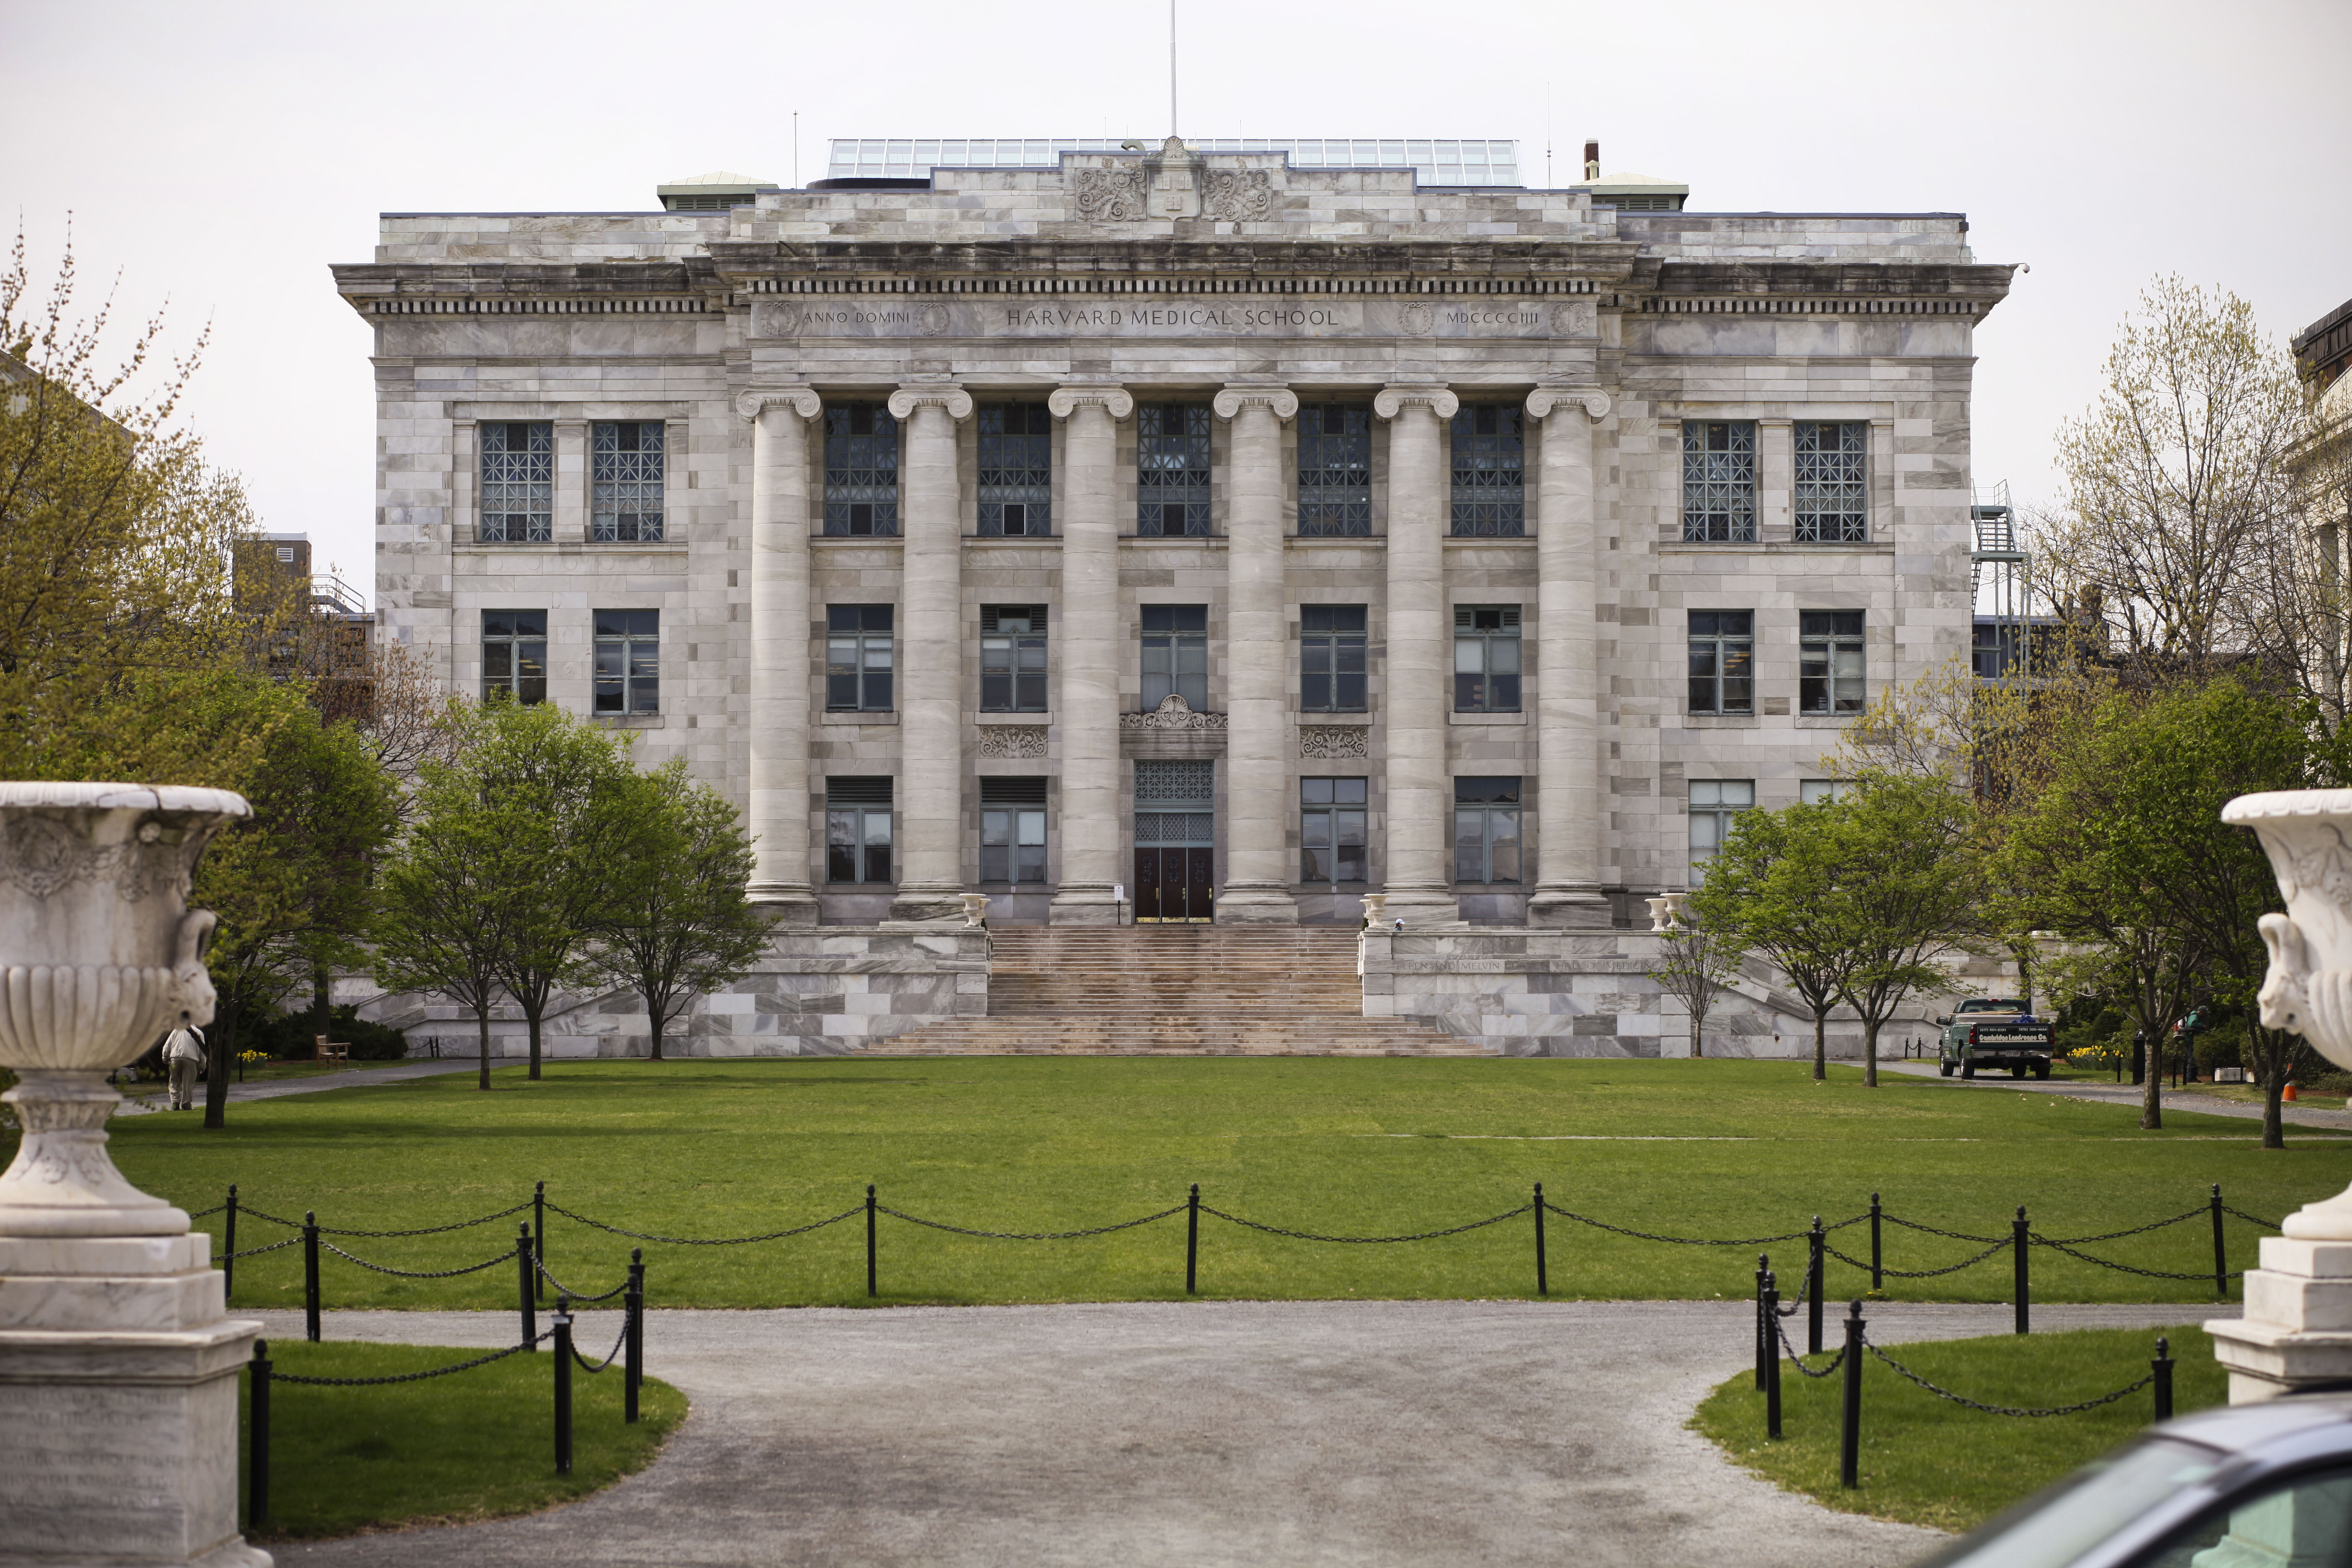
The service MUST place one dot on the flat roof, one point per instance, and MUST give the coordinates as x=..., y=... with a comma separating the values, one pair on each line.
x=1437, y=161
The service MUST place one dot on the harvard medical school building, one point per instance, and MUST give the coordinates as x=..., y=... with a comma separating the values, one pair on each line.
x=1243, y=528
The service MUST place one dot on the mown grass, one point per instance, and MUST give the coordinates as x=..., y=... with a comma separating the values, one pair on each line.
x=1925, y=1460
x=711, y=1148
x=475, y=1444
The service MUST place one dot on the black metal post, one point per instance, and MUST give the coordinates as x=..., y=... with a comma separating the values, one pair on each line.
x=1772, y=1372
x=2020, y=1242
x=539, y=1236
x=1543, y=1281
x=2221, y=1253
x=1815, y=1241
x=869, y=1240
x=1192, y=1242
x=1849, y=1421
x=256, y=1452
x=633, y=1369
x=563, y=1385
x=1763, y=1344
x=1878, y=1258
x=310, y=1275
x=2162, y=1367
x=228, y=1246
x=527, y=1300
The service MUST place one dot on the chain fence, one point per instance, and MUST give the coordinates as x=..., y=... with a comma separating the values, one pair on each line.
x=506, y=1256
x=563, y=1289
x=2128, y=1389
x=1781, y=1330
x=2002, y=1246
x=702, y=1240
x=1695, y=1240
x=2130, y=1268
x=1367, y=1240
x=413, y=1376
x=1038, y=1235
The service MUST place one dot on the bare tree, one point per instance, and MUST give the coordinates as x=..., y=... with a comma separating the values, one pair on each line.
x=1697, y=967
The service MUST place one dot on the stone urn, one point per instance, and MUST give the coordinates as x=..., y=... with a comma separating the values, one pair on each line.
x=100, y=957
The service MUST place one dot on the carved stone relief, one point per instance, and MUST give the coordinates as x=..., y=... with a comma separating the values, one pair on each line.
x=1012, y=741
x=1239, y=195
x=931, y=320
x=1334, y=740
x=1576, y=319
x=1416, y=320
x=776, y=320
x=1173, y=713
x=1111, y=195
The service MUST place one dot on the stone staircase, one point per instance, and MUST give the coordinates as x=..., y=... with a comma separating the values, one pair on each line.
x=1175, y=990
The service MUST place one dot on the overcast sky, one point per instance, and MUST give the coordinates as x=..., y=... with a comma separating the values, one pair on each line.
x=221, y=156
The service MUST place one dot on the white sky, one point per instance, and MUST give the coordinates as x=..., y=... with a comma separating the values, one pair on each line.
x=222, y=155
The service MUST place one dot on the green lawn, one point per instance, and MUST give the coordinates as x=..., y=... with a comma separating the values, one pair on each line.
x=1925, y=1460
x=705, y=1148
x=473, y=1444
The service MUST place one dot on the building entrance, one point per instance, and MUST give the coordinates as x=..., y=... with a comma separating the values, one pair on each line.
x=1175, y=842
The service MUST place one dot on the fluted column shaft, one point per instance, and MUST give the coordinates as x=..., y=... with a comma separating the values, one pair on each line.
x=1420, y=800
x=778, y=726
x=930, y=657
x=1085, y=642
x=1257, y=746
x=1568, y=710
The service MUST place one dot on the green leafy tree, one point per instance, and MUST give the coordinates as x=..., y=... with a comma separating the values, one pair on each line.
x=1768, y=889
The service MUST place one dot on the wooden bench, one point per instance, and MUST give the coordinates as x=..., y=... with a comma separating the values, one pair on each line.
x=333, y=1050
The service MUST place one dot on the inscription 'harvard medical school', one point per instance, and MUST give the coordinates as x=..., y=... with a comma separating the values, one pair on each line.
x=1377, y=318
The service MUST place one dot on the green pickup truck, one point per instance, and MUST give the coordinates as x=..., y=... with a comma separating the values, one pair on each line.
x=1993, y=1032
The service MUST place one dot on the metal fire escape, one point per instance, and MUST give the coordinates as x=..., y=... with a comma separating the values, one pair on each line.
x=1999, y=599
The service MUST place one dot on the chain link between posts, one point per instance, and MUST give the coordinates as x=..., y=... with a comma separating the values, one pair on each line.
x=418, y=1273
x=1367, y=1240
x=1693, y=1240
x=703, y=1240
x=413, y=1376
x=1837, y=1360
x=1039, y=1235
x=1904, y=1372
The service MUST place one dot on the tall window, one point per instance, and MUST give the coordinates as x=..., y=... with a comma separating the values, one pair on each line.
x=1719, y=480
x=1013, y=830
x=625, y=501
x=1829, y=661
x=857, y=658
x=517, y=482
x=858, y=830
x=1487, y=659
x=514, y=655
x=1176, y=655
x=1832, y=488
x=1490, y=470
x=861, y=470
x=1013, y=659
x=1714, y=804
x=1171, y=470
x=1331, y=835
x=1016, y=468
x=628, y=661
x=1487, y=830
x=1332, y=659
x=1821, y=792
x=1723, y=661
x=1335, y=469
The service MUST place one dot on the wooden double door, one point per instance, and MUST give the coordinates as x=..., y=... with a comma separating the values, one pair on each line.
x=1175, y=882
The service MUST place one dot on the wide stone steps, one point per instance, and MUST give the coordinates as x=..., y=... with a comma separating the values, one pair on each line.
x=1177, y=1035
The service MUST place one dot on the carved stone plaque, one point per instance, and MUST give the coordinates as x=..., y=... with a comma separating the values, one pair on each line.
x=1111, y=195
x=1334, y=740
x=1012, y=741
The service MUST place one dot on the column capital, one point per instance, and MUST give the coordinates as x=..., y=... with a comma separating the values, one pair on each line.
x=1280, y=400
x=912, y=396
x=1591, y=399
x=802, y=400
x=1394, y=400
x=1115, y=400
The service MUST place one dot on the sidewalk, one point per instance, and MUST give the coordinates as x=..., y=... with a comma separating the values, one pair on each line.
x=145, y=1098
x=2125, y=1094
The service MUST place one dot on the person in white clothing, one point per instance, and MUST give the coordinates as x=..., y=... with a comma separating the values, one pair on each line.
x=184, y=1052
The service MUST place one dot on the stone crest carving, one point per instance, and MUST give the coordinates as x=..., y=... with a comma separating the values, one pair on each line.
x=1173, y=713
x=1576, y=319
x=776, y=320
x=1238, y=195
x=1012, y=741
x=931, y=320
x=1416, y=320
x=1334, y=740
x=1111, y=195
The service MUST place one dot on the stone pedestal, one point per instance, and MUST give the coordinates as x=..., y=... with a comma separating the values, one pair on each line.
x=2298, y=1324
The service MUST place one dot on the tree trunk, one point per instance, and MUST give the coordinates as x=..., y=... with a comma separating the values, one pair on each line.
x=482, y=1029
x=654, y=1017
x=2151, y=1094
x=220, y=1049
x=322, y=1003
x=2272, y=1064
x=530, y=1011
x=1821, y=1045
x=1869, y=1051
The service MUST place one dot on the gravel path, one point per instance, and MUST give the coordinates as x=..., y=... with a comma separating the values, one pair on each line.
x=2299, y=1114
x=1184, y=1435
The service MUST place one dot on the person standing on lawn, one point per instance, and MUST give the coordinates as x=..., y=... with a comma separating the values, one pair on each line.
x=184, y=1052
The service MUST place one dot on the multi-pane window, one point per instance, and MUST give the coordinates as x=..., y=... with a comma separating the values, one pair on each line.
x=1821, y=792
x=1723, y=661
x=517, y=482
x=857, y=658
x=1176, y=655
x=1833, y=482
x=1487, y=830
x=1490, y=470
x=861, y=470
x=1171, y=470
x=1714, y=804
x=1829, y=661
x=1487, y=659
x=625, y=464
x=514, y=655
x=1016, y=468
x=628, y=661
x=1719, y=480
x=1013, y=830
x=1013, y=659
x=1335, y=469
x=1331, y=835
x=1332, y=659
x=858, y=830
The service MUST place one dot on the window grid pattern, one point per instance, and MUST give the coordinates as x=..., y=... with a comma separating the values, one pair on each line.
x=628, y=661
x=1331, y=643
x=1016, y=469
x=1013, y=659
x=1487, y=830
x=514, y=655
x=1175, y=804
x=1171, y=471
x=1490, y=498
x=1723, y=661
x=1176, y=655
x=1830, y=661
x=858, y=655
x=1715, y=804
x=1833, y=482
x=858, y=830
x=1719, y=481
x=1334, y=471
x=626, y=463
x=1487, y=659
x=518, y=484
x=1332, y=830
x=1443, y=161
x=1013, y=830
x=861, y=471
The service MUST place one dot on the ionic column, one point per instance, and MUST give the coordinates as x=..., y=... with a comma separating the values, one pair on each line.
x=1086, y=654
x=1419, y=798
x=780, y=651
x=1568, y=703
x=1258, y=862
x=929, y=647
